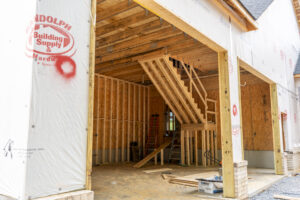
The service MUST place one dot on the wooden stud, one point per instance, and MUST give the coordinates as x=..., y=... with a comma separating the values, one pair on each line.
x=97, y=123
x=208, y=148
x=134, y=109
x=104, y=124
x=215, y=146
x=89, y=152
x=226, y=135
x=155, y=158
x=144, y=120
x=128, y=124
x=203, y=133
x=111, y=120
x=117, y=122
x=187, y=135
x=196, y=147
x=212, y=148
x=191, y=146
x=182, y=147
x=123, y=123
x=139, y=121
x=278, y=160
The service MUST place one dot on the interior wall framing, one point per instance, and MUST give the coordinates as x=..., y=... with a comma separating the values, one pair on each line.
x=120, y=117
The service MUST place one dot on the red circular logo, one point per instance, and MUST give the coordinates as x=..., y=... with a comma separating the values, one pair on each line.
x=65, y=66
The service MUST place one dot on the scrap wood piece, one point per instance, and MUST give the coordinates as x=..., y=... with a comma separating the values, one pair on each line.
x=168, y=176
x=191, y=180
x=157, y=170
x=152, y=155
x=276, y=196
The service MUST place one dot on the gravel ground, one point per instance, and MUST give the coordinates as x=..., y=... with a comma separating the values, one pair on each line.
x=289, y=186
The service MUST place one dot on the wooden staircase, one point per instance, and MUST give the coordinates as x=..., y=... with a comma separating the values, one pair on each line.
x=179, y=85
x=179, y=96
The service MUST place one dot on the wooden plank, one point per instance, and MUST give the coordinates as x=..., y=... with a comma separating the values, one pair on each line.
x=203, y=133
x=89, y=152
x=191, y=146
x=148, y=114
x=104, y=123
x=182, y=147
x=196, y=147
x=123, y=123
x=128, y=123
x=115, y=10
x=150, y=171
x=123, y=23
x=152, y=155
x=276, y=131
x=215, y=146
x=111, y=120
x=117, y=122
x=226, y=135
x=187, y=135
x=192, y=126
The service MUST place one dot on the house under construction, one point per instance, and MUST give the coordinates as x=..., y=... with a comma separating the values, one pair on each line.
x=101, y=95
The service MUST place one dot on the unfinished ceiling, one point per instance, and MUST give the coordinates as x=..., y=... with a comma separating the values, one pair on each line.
x=125, y=30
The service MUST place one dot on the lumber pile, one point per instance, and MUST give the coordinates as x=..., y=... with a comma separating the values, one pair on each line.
x=191, y=180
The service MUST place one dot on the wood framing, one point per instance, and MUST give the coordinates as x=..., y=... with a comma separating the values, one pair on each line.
x=89, y=157
x=278, y=160
x=179, y=23
x=226, y=135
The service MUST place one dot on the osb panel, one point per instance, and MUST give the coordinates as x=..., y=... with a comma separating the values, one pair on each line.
x=256, y=114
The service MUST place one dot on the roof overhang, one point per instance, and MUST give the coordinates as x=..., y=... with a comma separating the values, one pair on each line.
x=237, y=14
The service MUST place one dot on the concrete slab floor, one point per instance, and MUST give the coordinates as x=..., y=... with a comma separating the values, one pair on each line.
x=122, y=181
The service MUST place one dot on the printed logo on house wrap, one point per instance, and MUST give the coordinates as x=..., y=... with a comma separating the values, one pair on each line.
x=50, y=43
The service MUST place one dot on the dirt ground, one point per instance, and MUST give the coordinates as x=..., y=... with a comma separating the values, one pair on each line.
x=122, y=181
x=114, y=182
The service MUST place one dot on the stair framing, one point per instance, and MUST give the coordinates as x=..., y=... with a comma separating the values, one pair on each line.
x=181, y=100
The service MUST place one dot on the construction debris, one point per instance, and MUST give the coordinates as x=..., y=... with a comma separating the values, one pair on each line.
x=157, y=170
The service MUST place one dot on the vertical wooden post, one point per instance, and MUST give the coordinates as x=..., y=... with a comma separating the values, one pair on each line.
x=139, y=121
x=196, y=147
x=203, y=133
x=104, y=123
x=128, y=124
x=144, y=119
x=216, y=146
x=134, y=105
x=89, y=156
x=123, y=123
x=117, y=122
x=97, y=134
x=111, y=120
x=227, y=151
x=276, y=131
x=182, y=147
x=187, y=135
x=208, y=148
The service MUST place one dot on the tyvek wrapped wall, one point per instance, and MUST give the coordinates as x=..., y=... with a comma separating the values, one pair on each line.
x=15, y=95
x=272, y=49
x=58, y=122
x=44, y=97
